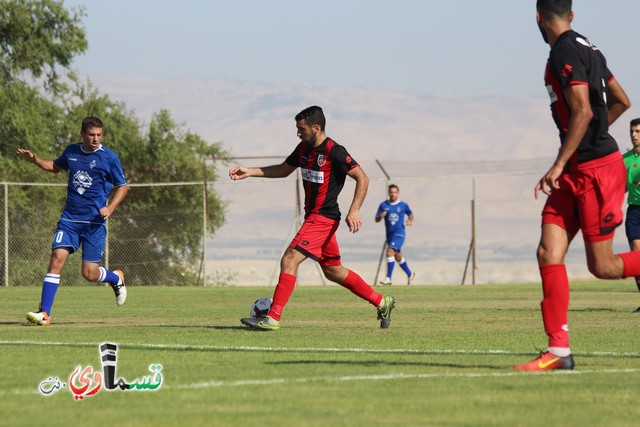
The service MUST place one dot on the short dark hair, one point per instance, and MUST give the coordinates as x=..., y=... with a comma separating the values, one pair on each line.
x=634, y=122
x=91, y=122
x=312, y=116
x=394, y=186
x=551, y=8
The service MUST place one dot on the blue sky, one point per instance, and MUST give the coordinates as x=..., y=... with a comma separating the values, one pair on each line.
x=420, y=46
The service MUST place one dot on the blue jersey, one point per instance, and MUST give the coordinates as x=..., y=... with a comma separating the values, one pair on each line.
x=92, y=175
x=394, y=220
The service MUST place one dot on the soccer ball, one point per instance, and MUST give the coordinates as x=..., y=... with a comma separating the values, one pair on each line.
x=260, y=307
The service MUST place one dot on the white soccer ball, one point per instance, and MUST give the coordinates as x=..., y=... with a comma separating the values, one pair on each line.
x=260, y=307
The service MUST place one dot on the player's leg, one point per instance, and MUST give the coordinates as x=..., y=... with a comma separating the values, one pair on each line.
x=289, y=264
x=404, y=264
x=632, y=229
x=600, y=211
x=93, y=238
x=391, y=263
x=635, y=246
x=65, y=242
x=305, y=244
x=560, y=224
x=334, y=271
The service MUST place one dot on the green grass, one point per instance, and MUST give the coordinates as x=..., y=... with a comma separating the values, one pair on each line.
x=445, y=361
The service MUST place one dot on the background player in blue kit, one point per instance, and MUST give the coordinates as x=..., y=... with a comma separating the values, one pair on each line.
x=393, y=211
x=94, y=171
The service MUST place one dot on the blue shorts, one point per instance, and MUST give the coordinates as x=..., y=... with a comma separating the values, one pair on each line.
x=396, y=240
x=92, y=237
x=632, y=223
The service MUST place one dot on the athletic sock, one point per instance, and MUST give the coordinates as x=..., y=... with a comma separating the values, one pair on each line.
x=631, y=263
x=560, y=351
x=284, y=289
x=108, y=276
x=555, y=304
x=391, y=262
x=405, y=266
x=49, y=289
x=358, y=286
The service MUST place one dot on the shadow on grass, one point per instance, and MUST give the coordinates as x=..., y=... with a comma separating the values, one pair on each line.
x=374, y=363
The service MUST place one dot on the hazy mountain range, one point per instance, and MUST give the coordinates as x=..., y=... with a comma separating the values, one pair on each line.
x=420, y=139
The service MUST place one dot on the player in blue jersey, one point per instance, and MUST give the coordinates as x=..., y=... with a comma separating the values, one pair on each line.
x=94, y=171
x=393, y=211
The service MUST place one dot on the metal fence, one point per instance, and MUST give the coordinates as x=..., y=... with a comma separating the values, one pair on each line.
x=151, y=240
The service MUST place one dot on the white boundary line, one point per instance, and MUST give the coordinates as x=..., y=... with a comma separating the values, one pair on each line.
x=274, y=381
x=387, y=377
x=302, y=349
x=398, y=376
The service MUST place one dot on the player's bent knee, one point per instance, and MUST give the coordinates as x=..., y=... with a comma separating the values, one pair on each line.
x=606, y=271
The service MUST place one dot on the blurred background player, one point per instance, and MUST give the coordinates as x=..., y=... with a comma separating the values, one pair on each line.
x=586, y=183
x=94, y=171
x=632, y=163
x=324, y=166
x=393, y=211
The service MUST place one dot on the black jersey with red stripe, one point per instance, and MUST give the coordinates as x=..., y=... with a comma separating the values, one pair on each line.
x=324, y=170
x=574, y=60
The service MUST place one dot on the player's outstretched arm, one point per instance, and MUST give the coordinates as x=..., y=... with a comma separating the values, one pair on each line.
x=275, y=171
x=45, y=165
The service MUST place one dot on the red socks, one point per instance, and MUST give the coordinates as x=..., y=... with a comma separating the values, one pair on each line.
x=284, y=289
x=287, y=282
x=631, y=263
x=358, y=286
x=555, y=304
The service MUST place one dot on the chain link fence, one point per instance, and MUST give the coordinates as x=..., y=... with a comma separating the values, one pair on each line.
x=153, y=239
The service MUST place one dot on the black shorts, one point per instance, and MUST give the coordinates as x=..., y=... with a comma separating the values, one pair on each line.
x=632, y=223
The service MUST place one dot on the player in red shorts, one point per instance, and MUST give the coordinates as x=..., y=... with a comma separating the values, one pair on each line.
x=324, y=166
x=586, y=183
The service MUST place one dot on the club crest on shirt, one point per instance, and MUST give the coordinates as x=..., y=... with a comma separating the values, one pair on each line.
x=321, y=160
x=92, y=164
x=81, y=181
x=394, y=218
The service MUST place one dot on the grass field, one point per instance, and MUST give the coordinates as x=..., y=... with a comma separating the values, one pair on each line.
x=446, y=360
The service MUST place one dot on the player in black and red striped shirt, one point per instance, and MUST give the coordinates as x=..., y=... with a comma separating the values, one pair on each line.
x=324, y=166
x=586, y=183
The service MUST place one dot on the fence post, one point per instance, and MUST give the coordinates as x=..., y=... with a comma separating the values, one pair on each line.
x=204, y=232
x=6, y=234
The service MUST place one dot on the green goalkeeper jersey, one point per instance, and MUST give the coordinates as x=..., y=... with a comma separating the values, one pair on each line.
x=632, y=163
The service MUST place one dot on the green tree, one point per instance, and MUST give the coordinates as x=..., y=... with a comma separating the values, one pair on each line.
x=41, y=110
x=37, y=37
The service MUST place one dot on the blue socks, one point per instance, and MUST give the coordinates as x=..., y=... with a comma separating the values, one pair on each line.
x=405, y=267
x=108, y=276
x=391, y=262
x=49, y=289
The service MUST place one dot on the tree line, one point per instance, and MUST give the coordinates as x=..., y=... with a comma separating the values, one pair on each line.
x=42, y=104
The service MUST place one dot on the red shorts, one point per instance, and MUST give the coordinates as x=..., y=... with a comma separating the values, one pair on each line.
x=589, y=199
x=317, y=240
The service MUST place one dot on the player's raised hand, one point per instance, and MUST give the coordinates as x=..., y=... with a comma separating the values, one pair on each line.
x=27, y=155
